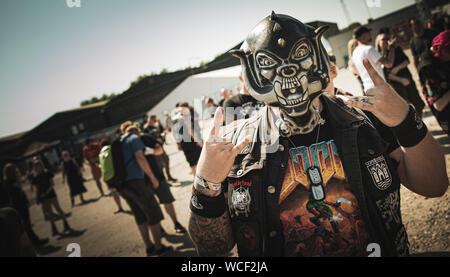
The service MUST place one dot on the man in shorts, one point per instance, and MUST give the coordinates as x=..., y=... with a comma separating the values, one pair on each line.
x=138, y=194
x=152, y=150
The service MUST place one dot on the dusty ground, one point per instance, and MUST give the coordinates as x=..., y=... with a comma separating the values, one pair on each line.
x=100, y=232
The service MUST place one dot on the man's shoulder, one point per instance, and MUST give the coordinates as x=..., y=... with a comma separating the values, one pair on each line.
x=129, y=138
x=362, y=48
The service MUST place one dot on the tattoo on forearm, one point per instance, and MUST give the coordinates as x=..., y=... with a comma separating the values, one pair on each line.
x=211, y=236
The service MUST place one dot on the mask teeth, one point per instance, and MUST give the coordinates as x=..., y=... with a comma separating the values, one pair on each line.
x=289, y=83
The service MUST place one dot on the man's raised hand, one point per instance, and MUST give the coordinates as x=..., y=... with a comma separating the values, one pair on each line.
x=382, y=100
x=218, y=154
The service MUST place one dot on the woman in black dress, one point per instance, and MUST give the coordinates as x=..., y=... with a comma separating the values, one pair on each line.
x=72, y=172
x=43, y=179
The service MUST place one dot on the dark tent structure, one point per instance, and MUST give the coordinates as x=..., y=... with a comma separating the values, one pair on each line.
x=132, y=104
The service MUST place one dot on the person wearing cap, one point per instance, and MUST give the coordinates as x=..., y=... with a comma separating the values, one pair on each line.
x=366, y=51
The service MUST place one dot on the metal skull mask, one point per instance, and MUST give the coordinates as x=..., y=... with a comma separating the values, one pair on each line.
x=285, y=64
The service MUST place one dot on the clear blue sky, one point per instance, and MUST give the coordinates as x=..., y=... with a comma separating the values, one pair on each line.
x=52, y=57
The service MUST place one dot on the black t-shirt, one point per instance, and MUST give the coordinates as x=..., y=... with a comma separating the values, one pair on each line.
x=151, y=142
x=17, y=196
x=43, y=181
x=400, y=57
x=420, y=47
x=5, y=198
x=323, y=219
x=245, y=106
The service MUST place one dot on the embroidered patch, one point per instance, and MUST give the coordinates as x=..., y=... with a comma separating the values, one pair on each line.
x=241, y=183
x=380, y=173
x=240, y=198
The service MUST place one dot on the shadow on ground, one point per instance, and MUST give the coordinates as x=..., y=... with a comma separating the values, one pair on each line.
x=187, y=248
x=183, y=184
x=71, y=234
x=443, y=139
x=47, y=249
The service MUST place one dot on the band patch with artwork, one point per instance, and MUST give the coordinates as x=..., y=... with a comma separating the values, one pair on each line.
x=319, y=212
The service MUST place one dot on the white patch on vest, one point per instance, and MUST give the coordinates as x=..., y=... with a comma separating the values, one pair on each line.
x=241, y=200
x=380, y=173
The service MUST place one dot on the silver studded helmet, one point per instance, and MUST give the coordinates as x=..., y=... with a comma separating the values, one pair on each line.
x=285, y=64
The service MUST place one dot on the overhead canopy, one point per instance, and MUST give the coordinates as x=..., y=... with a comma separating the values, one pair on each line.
x=196, y=88
x=37, y=147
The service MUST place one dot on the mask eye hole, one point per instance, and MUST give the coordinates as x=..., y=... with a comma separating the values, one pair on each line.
x=265, y=61
x=301, y=51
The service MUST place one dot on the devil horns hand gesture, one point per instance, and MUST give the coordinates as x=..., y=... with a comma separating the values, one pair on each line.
x=381, y=100
x=218, y=154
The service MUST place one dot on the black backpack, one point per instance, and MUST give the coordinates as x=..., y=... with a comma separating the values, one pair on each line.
x=120, y=171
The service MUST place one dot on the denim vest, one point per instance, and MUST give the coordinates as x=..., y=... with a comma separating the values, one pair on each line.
x=254, y=183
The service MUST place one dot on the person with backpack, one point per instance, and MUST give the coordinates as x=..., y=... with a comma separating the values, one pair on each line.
x=107, y=167
x=152, y=151
x=131, y=166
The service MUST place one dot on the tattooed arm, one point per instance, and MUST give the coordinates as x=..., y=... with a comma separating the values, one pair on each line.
x=211, y=236
x=214, y=236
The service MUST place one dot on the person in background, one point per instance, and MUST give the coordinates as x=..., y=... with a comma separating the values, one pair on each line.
x=18, y=200
x=420, y=45
x=43, y=179
x=29, y=174
x=331, y=89
x=210, y=107
x=168, y=122
x=230, y=93
x=436, y=78
x=209, y=102
x=90, y=153
x=14, y=241
x=138, y=194
x=365, y=51
x=351, y=45
x=71, y=172
x=223, y=96
x=153, y=150
x=187, y=134
x=399, y=76
x=154, y=128
x=114, y=192
x=241, y=106
x=37, y=197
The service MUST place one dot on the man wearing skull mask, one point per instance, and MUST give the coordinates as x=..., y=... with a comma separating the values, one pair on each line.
x=309, y=175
